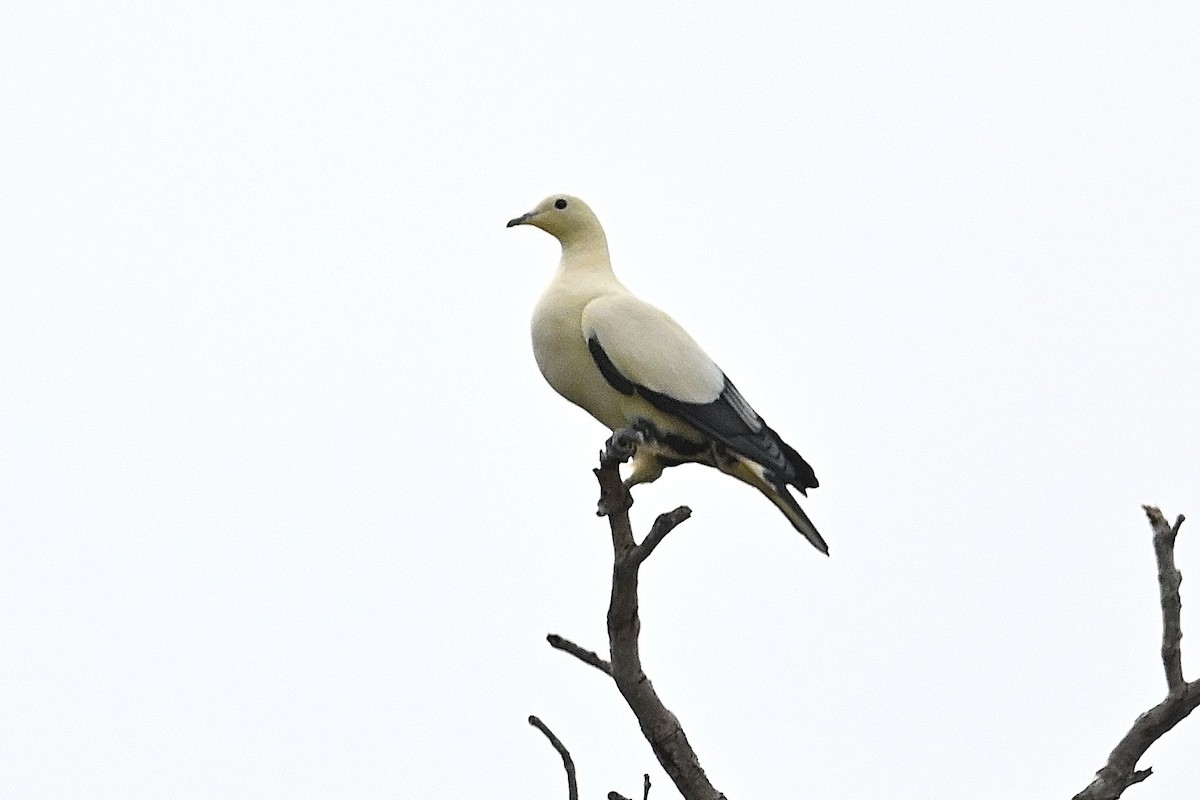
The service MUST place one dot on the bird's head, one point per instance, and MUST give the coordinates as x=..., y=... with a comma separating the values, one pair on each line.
x=566, y=218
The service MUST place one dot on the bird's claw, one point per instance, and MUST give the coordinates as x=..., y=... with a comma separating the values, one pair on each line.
x=621, y=446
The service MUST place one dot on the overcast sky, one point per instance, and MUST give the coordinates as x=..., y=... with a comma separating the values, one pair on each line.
x=286, y=509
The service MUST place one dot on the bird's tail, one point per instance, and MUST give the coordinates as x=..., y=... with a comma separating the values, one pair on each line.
x=754, y=474
x=781, y=497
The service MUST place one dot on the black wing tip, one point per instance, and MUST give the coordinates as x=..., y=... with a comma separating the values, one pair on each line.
x=806, y=477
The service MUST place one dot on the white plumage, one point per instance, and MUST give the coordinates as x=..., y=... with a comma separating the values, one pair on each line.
x=630, y=365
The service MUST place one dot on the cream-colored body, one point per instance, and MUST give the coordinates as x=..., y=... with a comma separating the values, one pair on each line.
x=583, y=295
x=561, y=350
x=646, y=347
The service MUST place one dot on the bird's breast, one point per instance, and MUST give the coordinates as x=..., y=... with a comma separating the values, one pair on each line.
x=563, y=358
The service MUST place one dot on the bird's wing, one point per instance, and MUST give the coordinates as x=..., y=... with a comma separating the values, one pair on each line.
x=651, y=350
x=641, y=350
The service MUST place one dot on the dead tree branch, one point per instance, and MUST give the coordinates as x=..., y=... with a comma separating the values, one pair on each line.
x=1182, y=698
x=665, y=734
x=568, y=764
x=1168, y=589
x=659, y=726
x=586, y=656
x=645, y=791
x=659, y=530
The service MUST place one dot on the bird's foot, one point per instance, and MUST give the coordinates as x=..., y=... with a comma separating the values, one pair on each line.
x=621, y=446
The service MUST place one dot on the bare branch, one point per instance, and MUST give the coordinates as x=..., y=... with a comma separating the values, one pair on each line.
x=614, y=497
x=1121, y=771
x=1168, y=587
x=568, y=764
x=662, y=526
x=586, y=656
x=619, y=448
x=659, y=726
x=645, y=791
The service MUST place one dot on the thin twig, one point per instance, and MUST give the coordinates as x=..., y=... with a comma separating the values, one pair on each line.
x=568, y=764
x=586, y=656
x=662, y=526
x=645, y=791
x=1182, y=698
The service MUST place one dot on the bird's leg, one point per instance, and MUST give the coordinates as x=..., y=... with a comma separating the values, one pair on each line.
x=619, y=448
x=647, y=467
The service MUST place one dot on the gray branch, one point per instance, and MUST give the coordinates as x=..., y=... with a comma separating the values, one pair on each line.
x=662, y=526
x=1182, y=698
x=1168, y=589
x=659, y=726
x=586, y=656
x=645, y=791
x=665, y=734
x=568, y=764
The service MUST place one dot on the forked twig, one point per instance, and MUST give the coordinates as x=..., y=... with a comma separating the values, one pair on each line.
x=1182, y=698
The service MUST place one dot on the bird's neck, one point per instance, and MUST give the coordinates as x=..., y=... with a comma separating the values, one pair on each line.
x=589, y=253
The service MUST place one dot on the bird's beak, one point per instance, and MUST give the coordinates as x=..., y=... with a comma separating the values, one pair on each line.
x=521, y=220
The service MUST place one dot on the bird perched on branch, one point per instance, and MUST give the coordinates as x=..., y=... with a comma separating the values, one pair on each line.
x=631, y=366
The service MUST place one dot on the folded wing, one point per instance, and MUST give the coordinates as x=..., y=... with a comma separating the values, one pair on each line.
x=641, y=350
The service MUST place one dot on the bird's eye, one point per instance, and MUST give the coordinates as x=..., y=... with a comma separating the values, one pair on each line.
x=560, y=203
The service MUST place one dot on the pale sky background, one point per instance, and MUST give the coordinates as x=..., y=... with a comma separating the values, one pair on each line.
x=287, y=509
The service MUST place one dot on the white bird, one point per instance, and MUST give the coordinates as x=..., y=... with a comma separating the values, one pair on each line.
x=630, y=365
